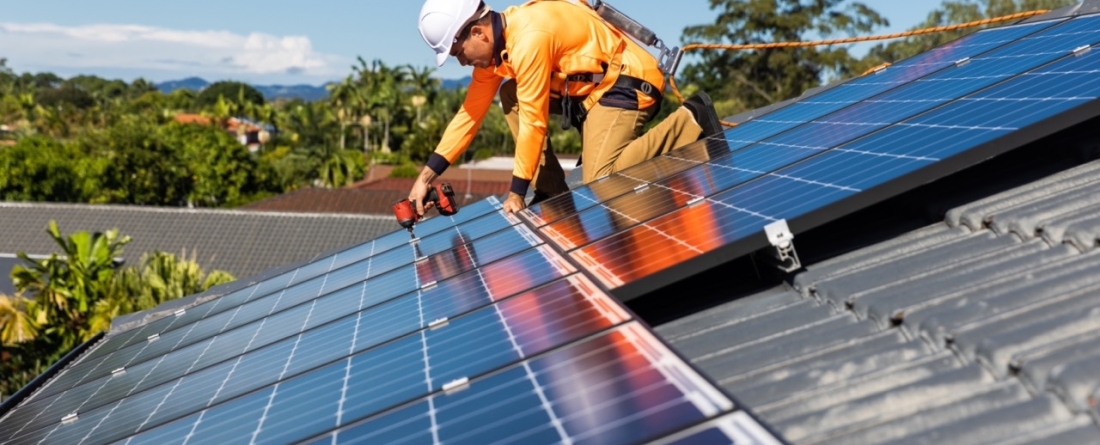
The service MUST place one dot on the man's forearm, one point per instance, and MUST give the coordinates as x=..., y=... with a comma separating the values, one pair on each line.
x=427, y=175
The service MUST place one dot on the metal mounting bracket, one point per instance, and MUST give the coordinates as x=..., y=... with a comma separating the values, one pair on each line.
x=781, y=252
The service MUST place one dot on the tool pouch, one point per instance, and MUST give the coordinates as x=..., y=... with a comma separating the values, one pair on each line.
x=573, y=113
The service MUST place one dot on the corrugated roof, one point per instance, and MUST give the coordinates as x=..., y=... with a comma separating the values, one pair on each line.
x=240, y=242
x=984, y=328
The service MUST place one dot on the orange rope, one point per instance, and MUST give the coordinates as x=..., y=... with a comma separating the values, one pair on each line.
x=695, y=46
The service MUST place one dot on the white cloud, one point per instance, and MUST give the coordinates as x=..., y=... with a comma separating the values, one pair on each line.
x=136, y=47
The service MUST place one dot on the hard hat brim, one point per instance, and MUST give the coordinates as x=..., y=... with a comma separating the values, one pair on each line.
x=441, y=58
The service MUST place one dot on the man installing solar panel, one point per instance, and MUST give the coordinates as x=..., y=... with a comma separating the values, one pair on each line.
x=561, y=57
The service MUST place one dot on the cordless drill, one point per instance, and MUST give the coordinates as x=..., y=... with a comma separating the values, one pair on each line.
x=441, y=195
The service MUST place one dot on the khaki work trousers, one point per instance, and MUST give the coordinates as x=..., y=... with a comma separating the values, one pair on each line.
x=612, y=140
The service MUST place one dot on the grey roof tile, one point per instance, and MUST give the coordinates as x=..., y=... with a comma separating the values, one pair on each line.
x=976, y=214
x=843, y=291
x=1027, y=220
x=1077, y=382
x=828, y=367
x=1054, y=231
x=856, y=261
x=1034, y=367
x=834, y=331
x=727, y=337
x=883, y=380
x=937, y=389
x=1008, y=329
x=940, y=322
x=997, y=426
x=1079, y=430
x=893, y=304
x=242, y=243
x=1083, y=233
x=993, y=397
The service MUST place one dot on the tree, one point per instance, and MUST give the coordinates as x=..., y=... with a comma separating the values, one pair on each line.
x=758, y=78
x=342, y=169
x=39, y=168
x=236, y=92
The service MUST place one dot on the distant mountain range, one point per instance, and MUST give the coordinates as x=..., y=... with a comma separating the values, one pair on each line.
x=272, y=92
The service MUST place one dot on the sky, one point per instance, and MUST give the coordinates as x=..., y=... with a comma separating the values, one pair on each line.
x=276, y=41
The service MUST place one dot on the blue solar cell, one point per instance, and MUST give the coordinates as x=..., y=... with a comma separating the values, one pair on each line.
x=395, y=372
x=617, y=184
x=603, y=390
x=865, y=87
x=490, y=283
x=793, y=191
x=911, y=94
x=786, y=118
x=655, y=200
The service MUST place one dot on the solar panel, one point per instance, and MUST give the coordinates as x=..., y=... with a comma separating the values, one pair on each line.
x=338, y=346
x=793, y=115
x=716, y=211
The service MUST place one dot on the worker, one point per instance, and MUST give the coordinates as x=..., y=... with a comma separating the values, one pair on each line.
x=559, y=56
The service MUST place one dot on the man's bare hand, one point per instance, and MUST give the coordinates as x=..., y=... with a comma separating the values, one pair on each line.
x=420, y=189
x=513, y=203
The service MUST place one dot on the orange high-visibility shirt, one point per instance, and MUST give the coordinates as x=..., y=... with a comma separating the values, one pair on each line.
x=544, y=42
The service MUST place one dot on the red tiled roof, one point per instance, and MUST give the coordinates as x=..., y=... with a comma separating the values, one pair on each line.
x=357, y=201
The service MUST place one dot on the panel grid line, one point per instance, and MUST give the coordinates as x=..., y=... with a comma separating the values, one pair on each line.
x=424, y=350
x=670, y=237
x=354, y=340
x=286, y=366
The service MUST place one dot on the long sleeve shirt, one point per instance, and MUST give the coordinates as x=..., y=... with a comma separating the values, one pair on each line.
x=543, y=42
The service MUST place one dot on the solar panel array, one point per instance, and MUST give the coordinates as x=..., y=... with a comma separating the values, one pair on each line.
x=482, y=332
x=477, y=332
x=829, y=154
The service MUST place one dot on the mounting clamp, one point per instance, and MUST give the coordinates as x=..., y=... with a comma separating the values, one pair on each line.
x=782, y=252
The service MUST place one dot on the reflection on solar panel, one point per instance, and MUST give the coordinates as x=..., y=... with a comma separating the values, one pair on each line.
x=477, y=333
x=829, y=154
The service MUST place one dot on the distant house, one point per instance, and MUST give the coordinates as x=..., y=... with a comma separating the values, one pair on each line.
x=5, y=134
x=248, y=133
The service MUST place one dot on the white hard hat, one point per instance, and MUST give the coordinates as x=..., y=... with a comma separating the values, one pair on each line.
x=440, y=22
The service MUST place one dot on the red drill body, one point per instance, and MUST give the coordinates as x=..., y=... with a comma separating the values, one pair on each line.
x=442, y=196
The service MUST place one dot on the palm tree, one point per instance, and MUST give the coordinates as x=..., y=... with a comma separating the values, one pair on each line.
x=344, y=96
x=65, y=287
x=16, y=324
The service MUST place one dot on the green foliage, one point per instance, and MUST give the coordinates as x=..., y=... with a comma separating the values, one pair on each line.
x=238, y=93
x=759, y=78
x=406, y=170
x=342, y=169
x=41, y=169
x=66, y=298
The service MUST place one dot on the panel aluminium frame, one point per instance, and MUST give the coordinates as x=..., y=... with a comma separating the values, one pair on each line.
x=832, y=211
